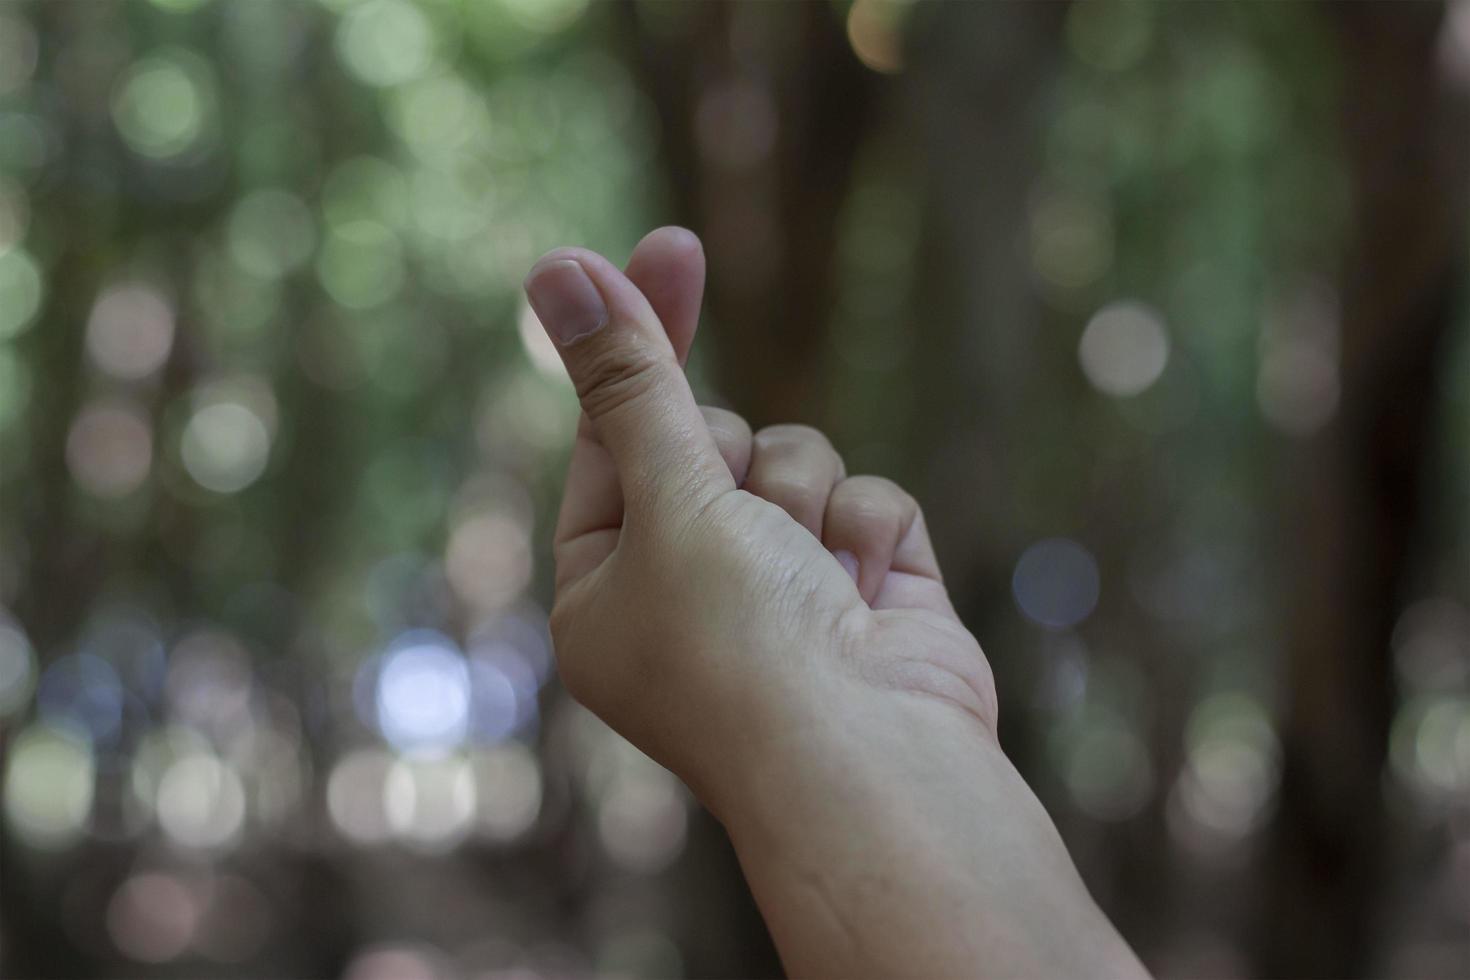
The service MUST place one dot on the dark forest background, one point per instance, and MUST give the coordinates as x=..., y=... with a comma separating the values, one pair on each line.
x=1158, y=308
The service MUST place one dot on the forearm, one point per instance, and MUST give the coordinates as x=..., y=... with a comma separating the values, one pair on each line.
x=899, y=841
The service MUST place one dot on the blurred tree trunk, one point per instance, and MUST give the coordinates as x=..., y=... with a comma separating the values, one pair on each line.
x=63, y=563
x=980, y=74
x=1361, y=491
x=994, y=391
x=980, y=77
x=762, y=109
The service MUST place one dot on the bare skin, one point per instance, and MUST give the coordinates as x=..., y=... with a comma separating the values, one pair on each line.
x=778, y=634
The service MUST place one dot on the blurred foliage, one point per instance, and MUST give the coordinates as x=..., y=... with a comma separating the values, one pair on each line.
x=280, y=448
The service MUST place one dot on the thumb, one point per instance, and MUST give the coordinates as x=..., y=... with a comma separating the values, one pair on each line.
x=628, y=380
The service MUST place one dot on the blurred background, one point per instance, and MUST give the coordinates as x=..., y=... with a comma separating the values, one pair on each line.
x=1157, y=308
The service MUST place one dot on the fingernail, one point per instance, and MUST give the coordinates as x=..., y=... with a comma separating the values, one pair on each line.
x=848, y=561
x=565, y=301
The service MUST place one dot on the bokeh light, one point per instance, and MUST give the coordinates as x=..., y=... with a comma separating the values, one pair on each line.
x=50, y=778
x=361, y=264
x=1056, y=583
x=1232, y=767
x=208, y=683
x=489, y=559
x=17, y=667
x=152, y=916
x=271, y=232
x=109, y=448
x=508, y=782
x=1123, y=349
x=130, y=331
x=23, y=288
x=544, y=16
x=430, y=803
x=1297, y=388
x=874, y=31
x=1430, y=746
x=163, y=105
x=82, y=692
x=1429, y=642
x=1071, y=238
x=503, y=693
x=387, y=962
x=225, y=446
x=423, y=694
x=356, y=795
x=642, y=820
x=201, y=801
x=443, y=120
x=386, y=42
x=1107, y=768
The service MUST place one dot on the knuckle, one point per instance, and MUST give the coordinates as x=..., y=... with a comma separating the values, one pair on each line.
x=801, y=448
x=874, y=499
x=881, y=488
x=725, y=423
x=793, y=437
x=865, y=515
x=617, y=376
x=792, y=491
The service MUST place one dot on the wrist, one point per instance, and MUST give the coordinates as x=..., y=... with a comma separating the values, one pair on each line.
x=872, y=749
x=894, y=830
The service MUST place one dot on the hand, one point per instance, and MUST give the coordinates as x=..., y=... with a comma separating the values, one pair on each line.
x=778, y=634
x=718, y=592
